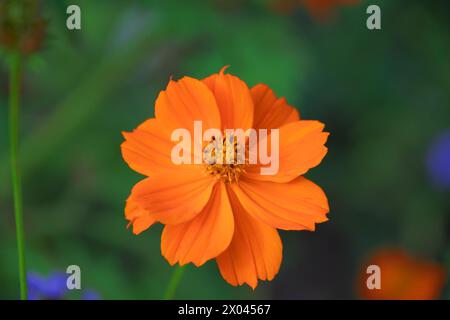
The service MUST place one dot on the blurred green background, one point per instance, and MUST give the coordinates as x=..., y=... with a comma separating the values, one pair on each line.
x=384, y=95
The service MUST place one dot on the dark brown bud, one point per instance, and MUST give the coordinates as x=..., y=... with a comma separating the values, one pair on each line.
x=21, y=26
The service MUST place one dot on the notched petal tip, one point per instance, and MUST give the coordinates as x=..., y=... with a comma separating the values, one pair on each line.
x=138, y=218
x=315, y=124
x=136, y=233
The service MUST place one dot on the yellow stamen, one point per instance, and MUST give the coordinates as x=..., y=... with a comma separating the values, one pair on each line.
x=226, y=171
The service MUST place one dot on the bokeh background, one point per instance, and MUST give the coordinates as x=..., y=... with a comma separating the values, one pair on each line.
x=384, y=96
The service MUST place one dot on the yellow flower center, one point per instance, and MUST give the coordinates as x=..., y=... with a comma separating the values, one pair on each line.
x=222, y=159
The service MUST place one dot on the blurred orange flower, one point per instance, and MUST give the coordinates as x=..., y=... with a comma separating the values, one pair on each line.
x=319, y=9
x=226, y=212
x=402, y=277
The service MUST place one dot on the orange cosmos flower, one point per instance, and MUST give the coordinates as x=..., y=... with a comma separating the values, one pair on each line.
x=402, y=277
x=226, y=212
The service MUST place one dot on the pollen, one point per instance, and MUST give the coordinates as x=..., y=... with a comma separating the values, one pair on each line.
x=224, y=159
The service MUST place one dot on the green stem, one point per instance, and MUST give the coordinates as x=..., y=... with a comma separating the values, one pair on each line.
x=173, y=283
x=14, y=99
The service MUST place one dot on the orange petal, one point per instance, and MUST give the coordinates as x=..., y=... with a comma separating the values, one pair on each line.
x=296, y=205
x=271, y=112
x=176, y=198
x=184, y=102
x=205, y=236
x=140, y=219
x=148, y=148
x=254, y=253
x=233, y=99
x=301, y=147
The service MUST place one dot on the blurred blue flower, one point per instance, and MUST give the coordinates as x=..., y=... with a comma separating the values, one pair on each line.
x=90, y=295
x=438, y=160
x=53, y=287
